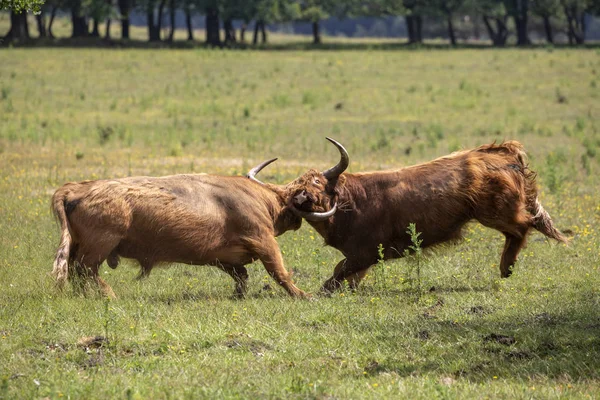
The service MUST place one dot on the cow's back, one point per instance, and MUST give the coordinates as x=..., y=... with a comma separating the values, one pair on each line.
x=439, y=197
x=180, y=218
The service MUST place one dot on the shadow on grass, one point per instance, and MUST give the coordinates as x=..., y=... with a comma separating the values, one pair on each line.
x=401, y=44
x=391, y=291
x=563, y=346
x=201, y=295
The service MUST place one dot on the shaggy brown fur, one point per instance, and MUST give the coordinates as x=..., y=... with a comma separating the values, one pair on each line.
x=491, y=184
x=194, y=219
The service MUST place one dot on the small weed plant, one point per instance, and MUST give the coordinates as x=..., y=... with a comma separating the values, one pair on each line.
x=414, y=254
x=380, y=279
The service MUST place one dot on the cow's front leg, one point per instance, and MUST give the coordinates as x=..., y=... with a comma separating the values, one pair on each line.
x=239, y=273
x=269, y=253
x=349, y=270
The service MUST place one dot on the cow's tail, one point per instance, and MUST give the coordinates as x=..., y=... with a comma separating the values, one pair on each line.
x=60, y=269
x=540, y=218
x=543, y=223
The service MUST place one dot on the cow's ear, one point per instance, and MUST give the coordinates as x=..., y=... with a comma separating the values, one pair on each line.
x=335, y=185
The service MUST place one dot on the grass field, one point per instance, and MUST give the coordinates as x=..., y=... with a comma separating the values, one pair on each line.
x=84, y=114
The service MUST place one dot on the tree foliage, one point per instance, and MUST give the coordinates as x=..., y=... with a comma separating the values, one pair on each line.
x=19, y=6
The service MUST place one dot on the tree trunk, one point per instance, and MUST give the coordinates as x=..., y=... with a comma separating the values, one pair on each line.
x=476, y=27
x=316, y=31
x=419, y=28
x=243, y=33
x=499, y=35
x=521, y=8
x=19, y=29
x=212, y=26
x=502, y=31
x=125, y=27
x=548, y=29
x=521, y=27
x=95, y=29
x=259, y=27
x=213, y=37
x=41, y=25
x=229, y=31
x=124, y=8
x=153, y=32
x=80, y=25
x=172, y=20
x=410, y=28
x=255, y=36
x=490, y=30
x=570, y=36
x=263, y=32
x=52, y=16
x=188, y=23
x=107, y=34
x=570, y=28
x=576, y=25
x=414, y=28
x=451, y=34
x=161, y=9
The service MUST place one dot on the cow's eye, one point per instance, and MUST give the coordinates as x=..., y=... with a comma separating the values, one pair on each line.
x=317, y=181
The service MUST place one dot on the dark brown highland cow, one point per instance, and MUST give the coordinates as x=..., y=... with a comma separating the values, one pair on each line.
x=356, y=212
x=194, y=219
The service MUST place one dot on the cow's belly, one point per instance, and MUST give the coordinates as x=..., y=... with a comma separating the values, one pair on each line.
x=186, y=252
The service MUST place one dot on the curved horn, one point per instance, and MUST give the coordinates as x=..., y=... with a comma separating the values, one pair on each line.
x=257, y=169
x=334, y=172
x=315, y=216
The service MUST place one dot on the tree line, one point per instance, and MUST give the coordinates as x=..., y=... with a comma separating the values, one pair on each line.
x=500, y=17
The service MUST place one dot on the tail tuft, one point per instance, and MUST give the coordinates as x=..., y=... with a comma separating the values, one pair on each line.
x=543, y=223
x=60, y=269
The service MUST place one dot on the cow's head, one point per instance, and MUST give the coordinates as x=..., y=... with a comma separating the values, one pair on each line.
x=286, y=219
x=313, y=196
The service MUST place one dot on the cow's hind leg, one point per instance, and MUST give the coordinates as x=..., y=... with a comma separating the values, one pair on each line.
x=76, y=272
x=113, y=259
x=355, y=279
x=87, y=272
x=512, y=247
x=510, y=216
x=239, y=273
x=87, y=264
x=145, y=269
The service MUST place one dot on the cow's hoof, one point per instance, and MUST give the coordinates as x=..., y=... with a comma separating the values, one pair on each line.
x=325, y=293
x=303, y=296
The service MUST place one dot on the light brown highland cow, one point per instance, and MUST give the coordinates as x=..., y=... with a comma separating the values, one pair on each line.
x=195, y=219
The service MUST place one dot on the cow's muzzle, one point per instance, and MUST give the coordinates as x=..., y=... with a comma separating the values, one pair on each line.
x=306, y=199
x=301, y=198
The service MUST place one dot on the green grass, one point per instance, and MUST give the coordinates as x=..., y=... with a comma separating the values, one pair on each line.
x=86, y=114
